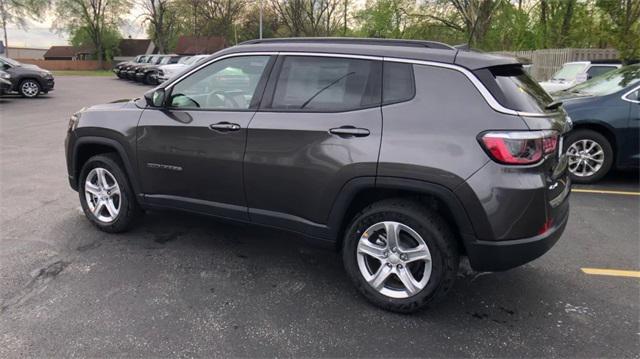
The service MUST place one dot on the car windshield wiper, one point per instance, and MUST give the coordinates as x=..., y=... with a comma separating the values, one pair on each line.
x=326, y=87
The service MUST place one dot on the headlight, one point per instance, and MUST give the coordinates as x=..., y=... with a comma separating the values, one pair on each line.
x=5, y=76
x=45, y=73
x=73, y=121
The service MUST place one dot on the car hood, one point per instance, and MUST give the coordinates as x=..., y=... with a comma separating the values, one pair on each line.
x=115, y=105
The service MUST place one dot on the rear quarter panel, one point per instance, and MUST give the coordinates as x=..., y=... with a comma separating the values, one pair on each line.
x=433, y=137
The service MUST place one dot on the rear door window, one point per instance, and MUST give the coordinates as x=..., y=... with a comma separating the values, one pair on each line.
x=398, y=84
x=326, y=84
x=514, y=89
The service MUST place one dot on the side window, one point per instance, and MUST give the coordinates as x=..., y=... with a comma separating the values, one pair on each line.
x=327, y=84
x=398, y=83
x=599, y=70
x=228, y=84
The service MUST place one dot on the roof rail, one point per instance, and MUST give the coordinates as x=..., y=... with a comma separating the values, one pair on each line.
x=353, y=40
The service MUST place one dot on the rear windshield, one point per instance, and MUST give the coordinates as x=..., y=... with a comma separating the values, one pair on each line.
x=514, y=89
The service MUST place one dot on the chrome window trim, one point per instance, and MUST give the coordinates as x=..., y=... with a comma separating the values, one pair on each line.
x=491, y=101
x=624, y=97
x=207, y=63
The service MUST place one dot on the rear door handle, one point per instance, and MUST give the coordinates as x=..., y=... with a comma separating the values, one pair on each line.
x=348, y=131
x=225, y=126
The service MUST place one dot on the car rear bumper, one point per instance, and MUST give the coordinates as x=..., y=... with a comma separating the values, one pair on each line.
x=506, y=254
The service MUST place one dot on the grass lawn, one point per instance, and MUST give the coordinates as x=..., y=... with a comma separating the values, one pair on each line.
x=84, y=73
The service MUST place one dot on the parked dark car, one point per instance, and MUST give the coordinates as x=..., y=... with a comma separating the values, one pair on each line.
x=133, y=68
x=27, y=80
x=148, y=73
x=5, y=82
x=606, y=116
x=118, y=69
x=288, y=133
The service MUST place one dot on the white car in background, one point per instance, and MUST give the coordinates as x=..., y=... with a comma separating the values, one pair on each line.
x=573, y=73
x=166, y=72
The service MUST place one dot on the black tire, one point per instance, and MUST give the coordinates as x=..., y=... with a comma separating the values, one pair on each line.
x=147, y=79
x=29, y=88
x=437, y=236
x=585, y=134
x=129, y=208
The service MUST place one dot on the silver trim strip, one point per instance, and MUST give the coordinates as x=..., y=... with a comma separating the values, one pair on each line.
x=206, y=63
x=491, y=101
x=479, y=85
x=624, y=97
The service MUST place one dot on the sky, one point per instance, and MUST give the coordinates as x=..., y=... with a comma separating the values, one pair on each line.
x=38, y=34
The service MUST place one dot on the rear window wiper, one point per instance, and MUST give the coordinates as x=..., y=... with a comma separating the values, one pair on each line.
x=553, y=105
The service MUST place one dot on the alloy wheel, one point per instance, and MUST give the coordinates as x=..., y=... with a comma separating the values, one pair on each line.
x=30, y=88
x=394, y=259
x=586, y=157
x=103, y=196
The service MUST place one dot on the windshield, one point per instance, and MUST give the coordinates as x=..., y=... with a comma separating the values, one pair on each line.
x=9, y=61
x=568, y=72
x=610, y=82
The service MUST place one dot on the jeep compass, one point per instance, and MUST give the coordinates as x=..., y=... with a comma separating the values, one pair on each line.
x=403, y=155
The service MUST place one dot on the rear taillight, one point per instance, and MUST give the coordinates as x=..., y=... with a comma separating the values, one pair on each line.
x=519, y=147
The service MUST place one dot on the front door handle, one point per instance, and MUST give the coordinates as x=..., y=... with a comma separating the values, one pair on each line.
x=350, y=131
x=225, y=126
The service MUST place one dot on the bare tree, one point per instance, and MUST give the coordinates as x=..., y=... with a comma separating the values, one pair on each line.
x=96, y=17
x=162, y=20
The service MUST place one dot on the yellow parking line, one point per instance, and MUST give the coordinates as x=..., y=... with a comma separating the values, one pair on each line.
x=599, y=191
x=612, y=272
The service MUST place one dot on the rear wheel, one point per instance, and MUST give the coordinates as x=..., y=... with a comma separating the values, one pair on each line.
x=400, y=255
x=29, y=88
x=105, y=195
x=590, y=156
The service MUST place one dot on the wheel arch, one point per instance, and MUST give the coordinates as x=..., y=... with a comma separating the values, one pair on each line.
x=361, y=192
x=87, y=147
x=603, y=129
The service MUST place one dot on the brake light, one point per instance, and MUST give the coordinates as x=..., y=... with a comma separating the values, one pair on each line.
x=519, y=147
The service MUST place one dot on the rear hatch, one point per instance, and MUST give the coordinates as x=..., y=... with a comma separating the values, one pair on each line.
x=514, y=89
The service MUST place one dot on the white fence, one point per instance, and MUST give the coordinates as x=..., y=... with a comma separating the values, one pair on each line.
x=546, y=62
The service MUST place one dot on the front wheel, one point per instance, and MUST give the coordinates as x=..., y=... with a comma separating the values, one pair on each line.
x=400, y=255
x=590, y=156
x=105, y=194
x=29, y=88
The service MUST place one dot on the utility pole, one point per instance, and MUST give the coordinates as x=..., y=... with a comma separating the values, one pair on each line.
x=260, y=19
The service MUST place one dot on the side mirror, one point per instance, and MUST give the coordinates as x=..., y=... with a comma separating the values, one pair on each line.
x=581, y=78
x=155, y=98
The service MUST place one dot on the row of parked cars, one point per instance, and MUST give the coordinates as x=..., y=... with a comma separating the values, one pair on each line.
x=155, y=69
x=25, y=79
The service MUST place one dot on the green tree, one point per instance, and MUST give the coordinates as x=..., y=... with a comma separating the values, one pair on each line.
x=81, y=38
x=18, y=11
x=624, y=17
x=95, y=19
x=385, y=18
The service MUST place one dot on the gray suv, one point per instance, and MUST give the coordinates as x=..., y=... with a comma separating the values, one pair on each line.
x=403, y=155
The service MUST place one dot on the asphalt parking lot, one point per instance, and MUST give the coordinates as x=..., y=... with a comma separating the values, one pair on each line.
x=179, y=285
